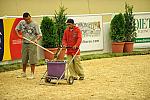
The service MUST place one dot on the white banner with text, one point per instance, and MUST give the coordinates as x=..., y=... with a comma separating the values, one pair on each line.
x=92, y=34
x=143, y=30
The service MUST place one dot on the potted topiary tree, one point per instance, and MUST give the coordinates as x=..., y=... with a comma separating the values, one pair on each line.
x=130, y=28
x=117, y=33
x=49, y=37
x=60, y=23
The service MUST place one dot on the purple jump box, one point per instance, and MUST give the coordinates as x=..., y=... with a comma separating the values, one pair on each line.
x=56, y=69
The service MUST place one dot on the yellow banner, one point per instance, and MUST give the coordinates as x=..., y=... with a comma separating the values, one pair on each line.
x=8, y=23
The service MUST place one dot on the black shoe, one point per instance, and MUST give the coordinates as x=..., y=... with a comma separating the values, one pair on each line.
x=75, y=78
x=81, y=78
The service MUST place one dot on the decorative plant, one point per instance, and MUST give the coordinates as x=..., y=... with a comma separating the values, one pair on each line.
x=53, y=29
x=117, y=28
x=60, y=23
x=130, y=28
x=49, y=36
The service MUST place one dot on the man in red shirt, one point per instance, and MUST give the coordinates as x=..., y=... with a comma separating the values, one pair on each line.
x=72, y=38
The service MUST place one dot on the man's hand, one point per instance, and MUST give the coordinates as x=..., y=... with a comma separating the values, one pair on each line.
x=38, y=37
x=74, y=47
x=35, y=40
x=20, y=36
x=64, y=46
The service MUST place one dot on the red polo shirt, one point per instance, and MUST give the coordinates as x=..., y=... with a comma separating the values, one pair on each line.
x=71, y=38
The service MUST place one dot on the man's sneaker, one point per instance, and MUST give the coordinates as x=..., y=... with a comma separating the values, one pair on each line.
x=81, y=78
x=22, y=75
x=31, y=77
x=75, y=78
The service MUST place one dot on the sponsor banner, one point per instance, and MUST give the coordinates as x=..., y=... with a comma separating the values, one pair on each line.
x=1, y=39
x=142, y=40
x=10, y=43
x=15, y=42
x=91, y=28
x=143, y=31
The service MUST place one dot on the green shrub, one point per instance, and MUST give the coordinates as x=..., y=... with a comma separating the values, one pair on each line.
x=60, y=23
x=130, y=28
x=117, y=28
x=49, y=36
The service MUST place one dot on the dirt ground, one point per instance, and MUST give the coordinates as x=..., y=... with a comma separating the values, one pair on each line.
x=120, y=78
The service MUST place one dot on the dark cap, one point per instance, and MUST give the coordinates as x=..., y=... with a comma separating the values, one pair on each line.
x=26, y=14
x=70, y=21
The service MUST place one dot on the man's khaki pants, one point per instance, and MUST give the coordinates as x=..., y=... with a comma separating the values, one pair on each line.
x=75, y=67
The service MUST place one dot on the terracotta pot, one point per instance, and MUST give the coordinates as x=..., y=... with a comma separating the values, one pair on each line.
x=62, y=54
x=117, y=47
x=48, y=55
x=128, y=47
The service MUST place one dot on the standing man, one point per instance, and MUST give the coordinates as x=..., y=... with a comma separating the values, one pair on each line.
x=30, y=30
x=72, y=38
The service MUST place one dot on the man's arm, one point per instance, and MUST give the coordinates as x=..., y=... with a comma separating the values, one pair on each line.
x=18, y=30
x=38, y=32
x=79, y=40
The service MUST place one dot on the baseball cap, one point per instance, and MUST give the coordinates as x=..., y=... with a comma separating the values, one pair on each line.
x=70, y=21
